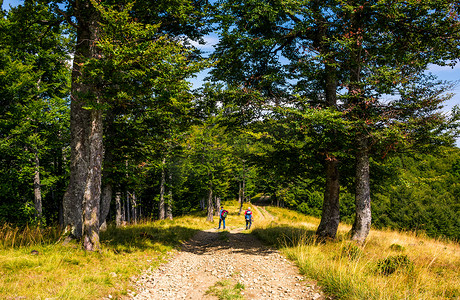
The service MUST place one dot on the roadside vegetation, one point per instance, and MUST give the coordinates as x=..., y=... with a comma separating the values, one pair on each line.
x=38, y=263
x=390, y=265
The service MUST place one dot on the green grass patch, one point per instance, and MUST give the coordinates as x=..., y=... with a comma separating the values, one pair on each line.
x=226, y=290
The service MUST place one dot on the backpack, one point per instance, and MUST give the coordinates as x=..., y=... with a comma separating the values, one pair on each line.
x=224, y=214
x=247, y=215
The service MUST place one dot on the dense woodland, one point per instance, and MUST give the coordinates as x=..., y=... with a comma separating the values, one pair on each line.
x=321, y=106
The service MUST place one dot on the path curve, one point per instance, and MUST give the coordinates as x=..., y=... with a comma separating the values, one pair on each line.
x=235, y=255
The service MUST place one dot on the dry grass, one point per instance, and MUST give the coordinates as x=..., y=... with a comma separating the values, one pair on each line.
x=349, y=271
x=34, y=266
x=11, y=236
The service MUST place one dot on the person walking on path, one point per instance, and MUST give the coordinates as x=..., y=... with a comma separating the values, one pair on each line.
x=248, y=218
x=222, y=215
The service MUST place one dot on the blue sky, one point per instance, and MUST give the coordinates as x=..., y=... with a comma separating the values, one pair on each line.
x=443, y=73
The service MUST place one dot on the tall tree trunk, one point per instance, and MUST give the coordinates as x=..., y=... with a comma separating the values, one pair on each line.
x=134, y=207
x=37, y=189
x=170, y=202
x=118, y=207
x=362, y=224
x=106, y=198
x=203, y=203
x=330, y=215
x=331, y=210
x=240, y=198
x=243, y=195
x=128, y=208
x=161, y=207
x=107, y=187
x=217, y=203
x=92, y=196
x=81, y=200
x=210, y=206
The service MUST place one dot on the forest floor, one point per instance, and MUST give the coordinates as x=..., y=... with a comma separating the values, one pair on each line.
x=215, y=263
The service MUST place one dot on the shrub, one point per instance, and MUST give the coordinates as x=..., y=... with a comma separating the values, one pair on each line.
x=391, y=264
x=397, y=247
x=351, y=251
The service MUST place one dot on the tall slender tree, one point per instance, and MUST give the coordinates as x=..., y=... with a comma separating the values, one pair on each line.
x=345, y=55
x=110, y=40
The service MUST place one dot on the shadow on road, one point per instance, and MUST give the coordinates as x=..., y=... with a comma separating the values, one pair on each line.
x=237, y=242
x=242, y=242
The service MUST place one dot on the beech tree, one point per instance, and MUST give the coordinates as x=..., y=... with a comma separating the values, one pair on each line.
x=153, y=62
x=346, y=55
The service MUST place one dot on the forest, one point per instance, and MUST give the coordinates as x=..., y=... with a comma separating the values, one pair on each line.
x=324, y=107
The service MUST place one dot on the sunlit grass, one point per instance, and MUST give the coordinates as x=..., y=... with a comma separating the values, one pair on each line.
x=33, y=267
x=12, y=236
x=36, y=264
x=348, y=271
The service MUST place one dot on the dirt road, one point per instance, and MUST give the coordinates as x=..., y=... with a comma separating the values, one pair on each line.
x=236, y=256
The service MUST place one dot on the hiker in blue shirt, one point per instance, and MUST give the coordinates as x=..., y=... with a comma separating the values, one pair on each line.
x=222, y=215
x=248, y=218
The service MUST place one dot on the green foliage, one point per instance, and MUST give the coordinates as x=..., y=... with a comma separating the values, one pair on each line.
x=267, y=122
x=312, y=206
x=423, y=196
x=397, y=247
x=34, y=118
x=351, y=251
x=395, y=263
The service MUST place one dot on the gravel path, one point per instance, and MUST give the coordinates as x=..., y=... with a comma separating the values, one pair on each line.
x=213, y=256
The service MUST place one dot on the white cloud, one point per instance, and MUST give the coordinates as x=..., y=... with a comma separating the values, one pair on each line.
x=436, y=69
x=210, y=42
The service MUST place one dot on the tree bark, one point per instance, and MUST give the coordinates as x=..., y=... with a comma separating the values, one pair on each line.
x=92, y=196
x=362, y=224
x=331, y=209
x=217, y=205
x=106, y=198
x=107, y=187
x=128, y=208
x=240, y=198
x=134, y=207
x=243, y=194
x=161, y=207
x=203, y=203
x=37, y=189
x=330, y=214
x=170, y=202
x=210, y=207
x=118, y=207
x=81, y=200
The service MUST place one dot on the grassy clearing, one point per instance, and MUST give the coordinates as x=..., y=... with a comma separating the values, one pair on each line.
x=34, y=266
x=390, y=265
